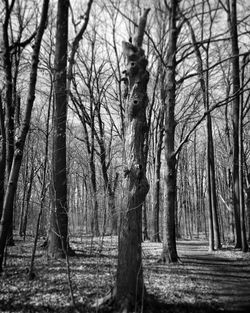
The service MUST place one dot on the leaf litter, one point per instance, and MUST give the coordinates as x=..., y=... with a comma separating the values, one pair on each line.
x=199, y=282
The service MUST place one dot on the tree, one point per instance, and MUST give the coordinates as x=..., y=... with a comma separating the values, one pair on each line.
x=156, y=195
x=20, y=142
x=129, y=289
x=232, y=21
x=130, y=285
x=9, y=103
x=241, y=165
x=58, y=234
x=169, y=252
x=2, y=156
x=237, y=177
x=214, y=235
x=12, y=46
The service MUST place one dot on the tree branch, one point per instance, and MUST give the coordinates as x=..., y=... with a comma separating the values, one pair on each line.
x=76, y=41
x=217, y=105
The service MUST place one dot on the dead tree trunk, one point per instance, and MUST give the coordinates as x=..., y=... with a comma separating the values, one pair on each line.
x=130, y=286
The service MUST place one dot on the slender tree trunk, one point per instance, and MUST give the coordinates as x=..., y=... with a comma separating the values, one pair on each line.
x=26, y=161
x=9, y=109
x=212, y=196
x=43, y=190
x=247, y=190
x=20, y=142
x=58, y=234
x=217, y=241
x=2, y=156
x=156, y=202
x=145, y=222
x=169, y=253
x=27, y=202
x=241, y=162
x=112, y=206
x=232, y=19
x=244, y=244
x=196, y=187
x=209, y=195
x=95, y=207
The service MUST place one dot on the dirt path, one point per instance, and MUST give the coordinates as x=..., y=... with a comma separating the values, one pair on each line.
x=202, y=281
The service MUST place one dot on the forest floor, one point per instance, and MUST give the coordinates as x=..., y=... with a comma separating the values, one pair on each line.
x=200, y=282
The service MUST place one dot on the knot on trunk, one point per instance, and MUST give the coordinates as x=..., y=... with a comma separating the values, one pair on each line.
x=135, y=58
x=137, y=103
x=136, y=172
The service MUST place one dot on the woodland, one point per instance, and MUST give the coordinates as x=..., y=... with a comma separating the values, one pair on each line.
x=124, y=156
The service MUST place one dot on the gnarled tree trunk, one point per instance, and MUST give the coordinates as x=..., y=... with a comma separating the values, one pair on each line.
x=130, y=286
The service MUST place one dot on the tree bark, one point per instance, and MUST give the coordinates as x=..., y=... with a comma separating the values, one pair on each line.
x=27, y=201
x=112, y=206
x=241, y=172
x=95, y=206
x=247, y=191
x=58, y=234
x=9, y=107
x=2, y=156
x=156, y=202
x=130, y=286
x=232, y=18
x=169, y=253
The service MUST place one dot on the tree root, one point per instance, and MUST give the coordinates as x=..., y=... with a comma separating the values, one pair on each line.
x=70, y=251
x=165, y=260
x=110, y=300
x=107, y=300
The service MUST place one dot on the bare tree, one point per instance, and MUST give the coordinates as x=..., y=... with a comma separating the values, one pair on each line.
x=20, y=142
x=214, y=234
x=169, y=252
x=2, y=155
x=58, y=234
x=129, y=289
